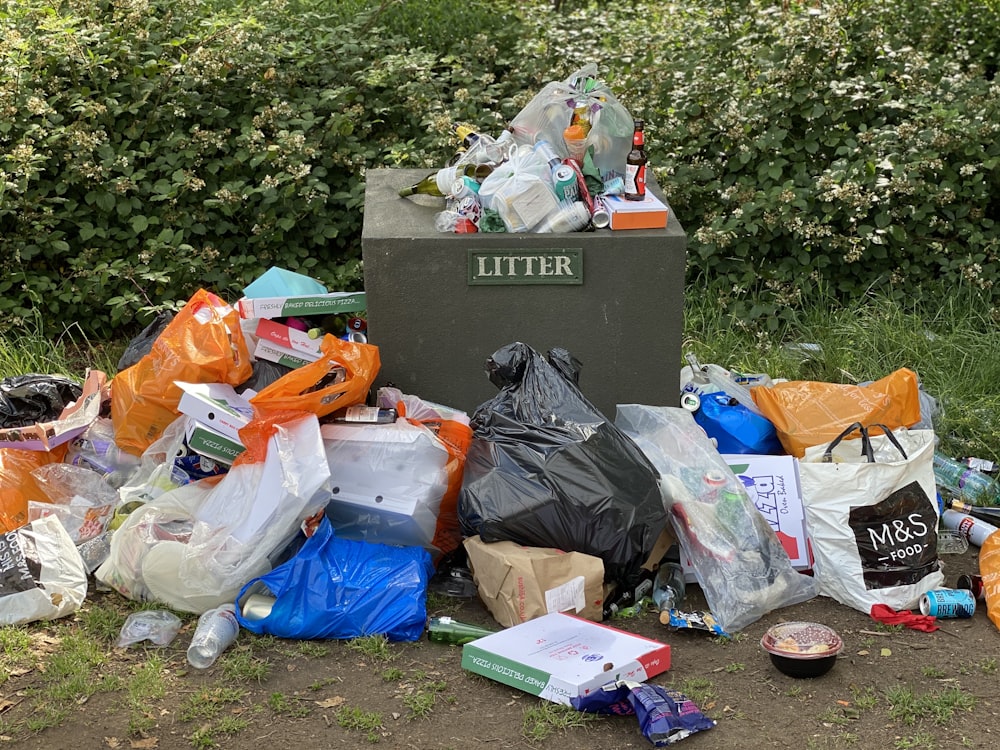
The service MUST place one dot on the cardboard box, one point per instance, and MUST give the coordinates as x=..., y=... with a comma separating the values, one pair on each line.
x=649, y=213
x=211, y=444
x=217, y=406
x=772, y=482
x=282, y=355
x=559, y=656
x=285, y=337
x=305, y=305
x=73, y=421
x=518, y=583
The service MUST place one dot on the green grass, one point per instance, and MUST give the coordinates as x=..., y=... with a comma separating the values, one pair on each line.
x=373, y=647
x=909, y=707
x=545, y=719
x=368, y=722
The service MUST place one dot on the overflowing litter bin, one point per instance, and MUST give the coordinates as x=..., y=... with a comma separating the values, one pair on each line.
x=440, y=303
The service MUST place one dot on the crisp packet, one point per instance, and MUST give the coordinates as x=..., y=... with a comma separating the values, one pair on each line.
x=665, y=715
x=700, y=620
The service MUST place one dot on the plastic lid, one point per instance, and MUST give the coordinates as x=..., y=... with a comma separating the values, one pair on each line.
x=802, y=640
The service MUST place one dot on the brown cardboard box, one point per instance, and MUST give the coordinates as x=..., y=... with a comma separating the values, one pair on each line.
x=518, y=584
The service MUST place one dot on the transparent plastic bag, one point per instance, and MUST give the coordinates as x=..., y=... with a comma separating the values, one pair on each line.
x=193, y=547
x=157, y=626
x=742, y=568
x=520, y=190
x=551, y=110
x=80, y=498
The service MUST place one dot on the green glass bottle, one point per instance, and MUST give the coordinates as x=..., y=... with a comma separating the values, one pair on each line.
x=447, y=630
x=440, y=183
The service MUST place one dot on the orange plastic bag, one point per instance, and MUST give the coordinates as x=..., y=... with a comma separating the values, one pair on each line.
x=202, y=344
x=989, y=569
x=456, y=438
x=807, y=413
x=341, y=377
x=18, y=486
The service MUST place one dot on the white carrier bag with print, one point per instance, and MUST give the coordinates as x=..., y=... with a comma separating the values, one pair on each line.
x=872, y=517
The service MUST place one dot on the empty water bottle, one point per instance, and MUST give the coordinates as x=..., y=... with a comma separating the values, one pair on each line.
x=217, y=629
x=968, y=485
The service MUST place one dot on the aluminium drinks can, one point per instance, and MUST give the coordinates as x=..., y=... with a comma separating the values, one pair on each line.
x=948, y=603
x=974, y=584
x=564, y=180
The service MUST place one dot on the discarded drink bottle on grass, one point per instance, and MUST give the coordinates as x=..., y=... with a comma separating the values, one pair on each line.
x=216, y=631
x=447, y=630
x=968, y=485
x=668, y=589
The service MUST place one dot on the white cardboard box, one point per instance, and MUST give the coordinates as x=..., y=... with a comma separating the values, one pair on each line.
x=649, y=213
x=272, y=352
x=772, y=482
x=559, y=656
x=217, y=406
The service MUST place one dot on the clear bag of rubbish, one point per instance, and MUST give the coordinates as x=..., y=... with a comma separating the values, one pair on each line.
x=157, y=626
x=581, y=96
x=520, y=190
x=738, y=559
x=157, y=472
x=79, y=497
x=95, y=449
x=193, y=547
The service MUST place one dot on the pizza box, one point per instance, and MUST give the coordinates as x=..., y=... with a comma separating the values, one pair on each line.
x=278, y=334
x=559, y=656
x=71, y=423
x=214, y=445
x=217, y=406
x=301, y=306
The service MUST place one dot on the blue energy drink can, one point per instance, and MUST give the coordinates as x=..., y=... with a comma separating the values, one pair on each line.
x=948, y=603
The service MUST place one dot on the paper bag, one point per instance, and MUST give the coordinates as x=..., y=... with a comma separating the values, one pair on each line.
x=518, y=583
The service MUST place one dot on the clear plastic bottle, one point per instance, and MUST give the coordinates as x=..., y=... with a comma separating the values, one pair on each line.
x=968, y=485
x=216, y=631
x=668, y=588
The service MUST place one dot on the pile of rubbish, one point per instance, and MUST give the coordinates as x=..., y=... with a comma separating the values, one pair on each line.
x=572, y=160
x=244, y=465
x=243, y=452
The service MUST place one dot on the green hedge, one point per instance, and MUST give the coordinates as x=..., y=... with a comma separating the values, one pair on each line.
x=149, y=149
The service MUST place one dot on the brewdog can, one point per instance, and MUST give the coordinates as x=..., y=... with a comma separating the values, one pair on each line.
x=948, y=603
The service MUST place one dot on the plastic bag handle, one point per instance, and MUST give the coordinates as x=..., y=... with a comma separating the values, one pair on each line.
x=866, y=449
x=892, y=439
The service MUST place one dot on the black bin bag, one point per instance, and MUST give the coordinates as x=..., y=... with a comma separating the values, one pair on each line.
x=546, y=469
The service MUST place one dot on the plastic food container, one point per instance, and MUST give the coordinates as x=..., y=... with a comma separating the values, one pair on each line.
x=802, y=649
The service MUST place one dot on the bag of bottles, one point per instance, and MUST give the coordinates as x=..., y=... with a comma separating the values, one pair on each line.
x=580, y=100
x=741, y=565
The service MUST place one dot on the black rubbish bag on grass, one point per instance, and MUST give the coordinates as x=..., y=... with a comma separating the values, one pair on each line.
x=547, y=469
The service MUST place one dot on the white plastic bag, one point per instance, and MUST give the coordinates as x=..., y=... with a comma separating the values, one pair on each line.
x=548, y=114
x=42, y=576
x=194, y=547
x=79, y=496
x=520, y=190
x=873, y=524
x=742, y=568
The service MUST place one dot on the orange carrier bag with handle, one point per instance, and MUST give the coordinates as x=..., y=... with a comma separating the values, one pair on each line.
x=202, y=344
x=807, y=413
x=341, y=377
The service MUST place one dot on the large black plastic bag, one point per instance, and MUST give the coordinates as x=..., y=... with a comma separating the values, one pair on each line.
x=546, y=469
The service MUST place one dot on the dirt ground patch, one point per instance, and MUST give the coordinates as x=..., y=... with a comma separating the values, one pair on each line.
x=891, y=688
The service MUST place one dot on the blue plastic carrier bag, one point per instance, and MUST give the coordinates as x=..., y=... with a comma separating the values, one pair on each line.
x=339, y=588
x=735, y=428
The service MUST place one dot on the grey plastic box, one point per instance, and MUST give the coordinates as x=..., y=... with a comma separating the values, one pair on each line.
x=439, y=304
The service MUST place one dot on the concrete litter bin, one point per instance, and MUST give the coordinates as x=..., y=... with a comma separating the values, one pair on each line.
x=439, y=304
